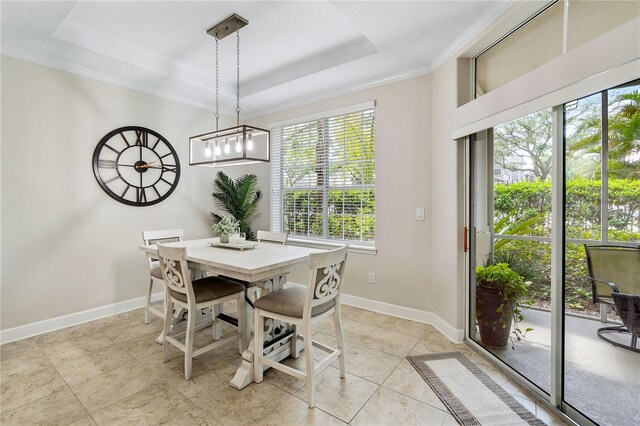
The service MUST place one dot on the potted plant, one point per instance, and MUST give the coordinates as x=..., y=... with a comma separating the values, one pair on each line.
x=225, y=227
x=238, y=198
x=500, y=299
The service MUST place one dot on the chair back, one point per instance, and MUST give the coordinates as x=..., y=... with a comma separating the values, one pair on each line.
x=614, y=264
x=628, y=308
x=326, y=272
x=162, y=236
x=272, y=237
x=175, y=271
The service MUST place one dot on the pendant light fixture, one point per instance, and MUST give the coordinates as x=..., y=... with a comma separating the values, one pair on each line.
x=250, y=144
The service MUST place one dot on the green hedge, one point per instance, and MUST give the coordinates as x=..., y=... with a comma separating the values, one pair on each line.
x=531, y=201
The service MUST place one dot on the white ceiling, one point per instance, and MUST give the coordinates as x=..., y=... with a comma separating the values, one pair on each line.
x=291, y=52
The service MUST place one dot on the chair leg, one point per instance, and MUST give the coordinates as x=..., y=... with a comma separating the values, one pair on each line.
x=295, y=353
x=168, y=315
x=217, y=324
x=308, y=354
x=188, y=344
x=258, y=345
x=337, y=321
x=603, y=312
x=244, y=324
x=148, y=301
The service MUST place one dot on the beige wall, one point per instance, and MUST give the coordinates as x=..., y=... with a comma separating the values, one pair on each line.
x=403, y=133
x=66, y=245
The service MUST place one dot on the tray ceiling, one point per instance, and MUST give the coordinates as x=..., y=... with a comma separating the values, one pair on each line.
x=291, y=52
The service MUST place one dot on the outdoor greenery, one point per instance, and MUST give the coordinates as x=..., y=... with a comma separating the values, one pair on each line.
x=239, y=198
x=523, y=208
x=328, y=178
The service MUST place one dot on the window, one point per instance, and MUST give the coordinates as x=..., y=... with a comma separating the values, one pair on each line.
x=323, y=176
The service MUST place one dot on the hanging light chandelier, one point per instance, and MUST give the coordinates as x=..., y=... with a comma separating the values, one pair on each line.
x=242, y=144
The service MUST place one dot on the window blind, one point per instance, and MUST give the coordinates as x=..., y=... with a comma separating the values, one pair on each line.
x=323, y=177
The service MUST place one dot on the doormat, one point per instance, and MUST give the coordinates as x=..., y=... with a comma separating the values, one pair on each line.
x=469, y=394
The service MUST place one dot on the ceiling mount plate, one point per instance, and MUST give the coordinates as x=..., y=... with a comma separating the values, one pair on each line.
x=228, y=26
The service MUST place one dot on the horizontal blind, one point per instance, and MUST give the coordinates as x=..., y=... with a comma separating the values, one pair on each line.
x=323, y=177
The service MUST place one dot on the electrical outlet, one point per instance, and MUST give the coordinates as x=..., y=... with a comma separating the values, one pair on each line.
x=372, y=278
x=420, y=213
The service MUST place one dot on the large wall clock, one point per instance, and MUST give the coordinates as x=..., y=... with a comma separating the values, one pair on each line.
x=136, y=166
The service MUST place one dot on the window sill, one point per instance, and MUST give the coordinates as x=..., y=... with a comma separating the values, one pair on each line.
x=323, y=244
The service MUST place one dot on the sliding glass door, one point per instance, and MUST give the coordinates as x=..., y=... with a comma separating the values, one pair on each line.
x=602, y=210
x=575, y=167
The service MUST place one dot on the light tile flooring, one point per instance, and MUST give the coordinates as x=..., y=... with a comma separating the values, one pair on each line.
x=111, y=372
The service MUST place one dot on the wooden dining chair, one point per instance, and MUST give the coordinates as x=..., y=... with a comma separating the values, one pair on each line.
x=155, y=275
x=181, y=291
x=272, y=237
x=299, y=307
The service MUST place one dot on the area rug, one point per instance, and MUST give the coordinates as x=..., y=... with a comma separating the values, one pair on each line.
x=471, y=396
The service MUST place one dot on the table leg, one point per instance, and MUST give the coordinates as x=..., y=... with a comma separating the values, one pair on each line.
x=277, y=337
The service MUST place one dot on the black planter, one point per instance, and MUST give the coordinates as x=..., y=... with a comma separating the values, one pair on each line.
x=495, y=327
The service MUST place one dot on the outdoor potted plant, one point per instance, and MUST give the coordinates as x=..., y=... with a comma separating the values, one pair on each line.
x=225, y=227
x=500, y=299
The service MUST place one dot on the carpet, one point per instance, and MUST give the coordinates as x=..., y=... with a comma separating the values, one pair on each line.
x=469, y=394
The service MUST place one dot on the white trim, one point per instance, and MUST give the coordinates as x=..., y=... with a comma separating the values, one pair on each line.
x=64, y=321
x=454, y=334
x=471, y=33
x=325, y=114
x=425, y=317
x=324, y=244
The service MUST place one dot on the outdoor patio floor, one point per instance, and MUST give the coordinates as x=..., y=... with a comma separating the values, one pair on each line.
x=601, y=380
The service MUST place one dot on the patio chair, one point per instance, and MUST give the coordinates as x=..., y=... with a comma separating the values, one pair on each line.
x=628, y=307
x=614, y=269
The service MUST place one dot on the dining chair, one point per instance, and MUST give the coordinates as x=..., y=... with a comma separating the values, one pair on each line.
x=155, y=275
x=299, y=306
x=272, y=237
x=181, y=291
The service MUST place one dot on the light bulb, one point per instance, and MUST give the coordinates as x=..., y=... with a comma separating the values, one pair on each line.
x=238, y=145
x=227, y=149
x=217, y=149
x=207, y=150
x=250, y=142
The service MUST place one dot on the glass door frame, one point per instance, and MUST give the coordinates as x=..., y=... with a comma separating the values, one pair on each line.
x=553, y=400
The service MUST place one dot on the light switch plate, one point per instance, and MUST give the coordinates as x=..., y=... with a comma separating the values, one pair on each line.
x=420, y=213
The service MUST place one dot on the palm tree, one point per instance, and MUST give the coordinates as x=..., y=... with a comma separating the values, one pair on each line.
x=623, y=132
x=239, y=198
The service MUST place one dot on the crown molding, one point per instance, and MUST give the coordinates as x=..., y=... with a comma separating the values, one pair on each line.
x=472, y=32
x=84, y=72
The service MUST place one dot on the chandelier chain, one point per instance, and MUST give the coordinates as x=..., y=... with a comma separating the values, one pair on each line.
x=217, y=86
x=238, y=74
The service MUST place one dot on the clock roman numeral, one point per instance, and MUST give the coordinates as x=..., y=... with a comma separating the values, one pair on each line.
x=169, y=168
x=142, y=138
x=112, y=148
x=125, y=139
x=112, y=179
x=125, y=191
x=155, y=144
x=155, y=189
x=141, y=195
x=107, y=164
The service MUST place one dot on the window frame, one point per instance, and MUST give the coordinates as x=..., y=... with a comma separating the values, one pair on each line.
x=278, y=190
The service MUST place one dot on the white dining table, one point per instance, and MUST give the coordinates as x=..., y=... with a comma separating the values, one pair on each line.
x=266, y=265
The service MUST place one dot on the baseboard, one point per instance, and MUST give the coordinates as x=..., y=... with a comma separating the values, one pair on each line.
x=453, y=334
x=53, y=324
x=425, y=317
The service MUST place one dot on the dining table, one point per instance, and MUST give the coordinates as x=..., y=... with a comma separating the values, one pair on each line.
x=267, y=265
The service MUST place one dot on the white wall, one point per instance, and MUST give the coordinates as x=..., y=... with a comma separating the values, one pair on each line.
x=403, y=123
x=66, y=245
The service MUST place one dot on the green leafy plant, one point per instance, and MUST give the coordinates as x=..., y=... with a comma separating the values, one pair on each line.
x=239, y=198
x=225, y=226
x=513, y=290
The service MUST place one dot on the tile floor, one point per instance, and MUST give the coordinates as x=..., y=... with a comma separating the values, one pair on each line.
x=110, y=371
